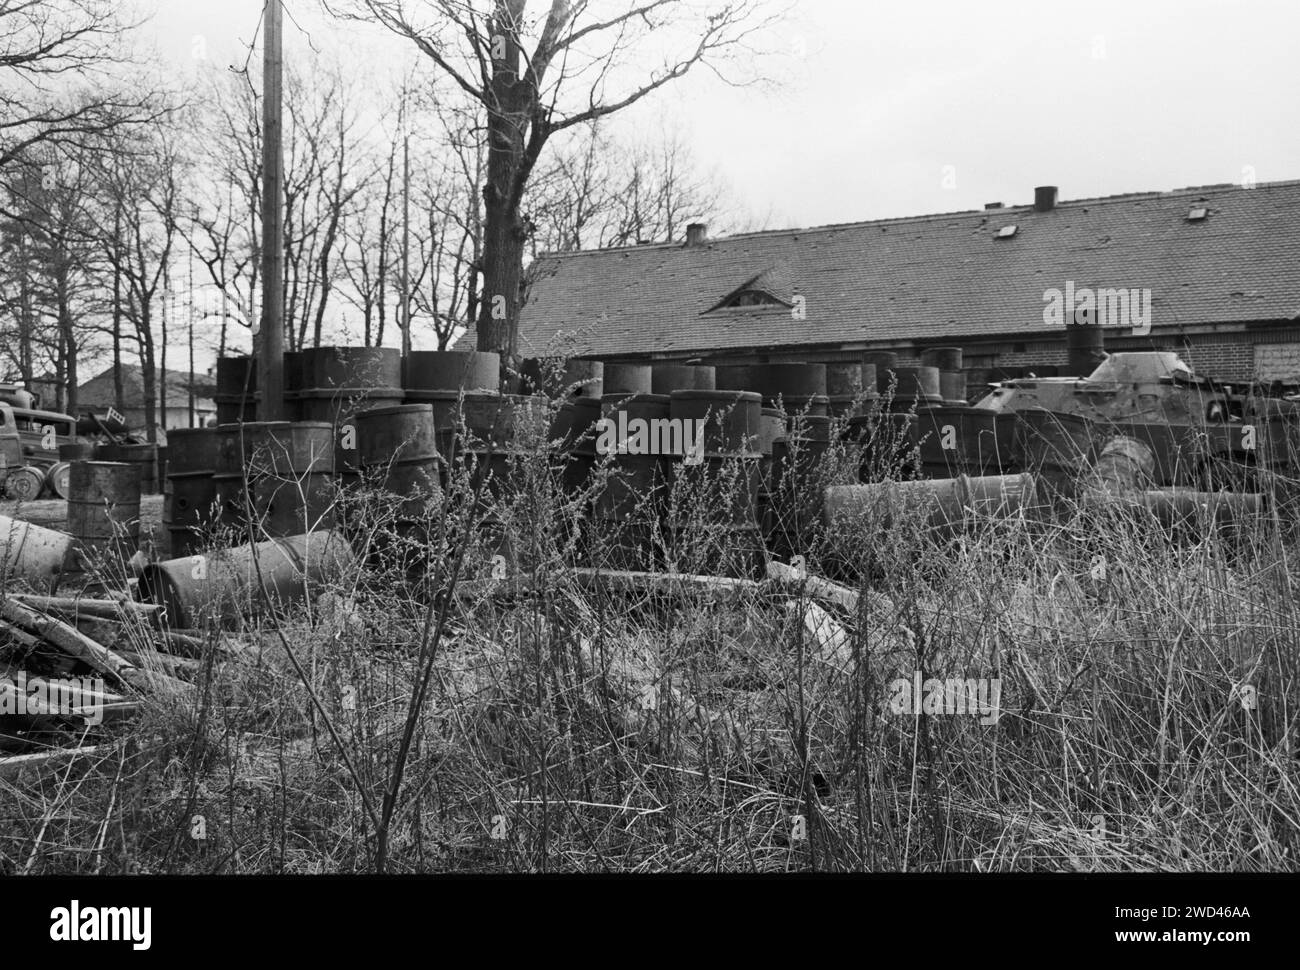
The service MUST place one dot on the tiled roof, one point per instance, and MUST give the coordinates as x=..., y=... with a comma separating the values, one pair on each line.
x=98, y=391
x=928, y=277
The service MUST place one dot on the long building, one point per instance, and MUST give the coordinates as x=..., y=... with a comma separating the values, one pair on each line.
x=1211, y=272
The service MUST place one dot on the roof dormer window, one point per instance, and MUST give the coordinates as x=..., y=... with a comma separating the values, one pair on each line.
x=752, y=298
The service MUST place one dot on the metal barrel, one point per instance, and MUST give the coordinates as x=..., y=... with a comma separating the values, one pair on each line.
x=143, y=457
x=224, y=586
x=31, y=556
x=293, y=385
x=281, y=471
x=1085, y=348
x=942, y=358
x=104, y=509
x=739, y=377
x=881, y=360
x=191, y=450
x=59, y=478
x=368, y=371
x=236, y=393
x=403, y=432
x=439, y=371
x=941, y=507
x=77, y=451
x=732, y=420
x=339, y=382
x=798, y=479
x=913, y=386
x=635, y=436
x=793, y=380
x=398, y=444
x=844, y=378
x=884, y=441
x=562, y=377
x=190, y=492
x=952, y=386
x=1176, y=450
x=716, y=488
x=817, y=405
x=668, y=377
x=492, y=433
x=574, y=428
x=956, y=439
x=771, y=426
x=1176, y=508
x=628, y=379
x=1124, y=464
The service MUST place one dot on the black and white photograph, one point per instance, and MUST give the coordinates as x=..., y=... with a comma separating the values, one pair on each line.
x=506, y=440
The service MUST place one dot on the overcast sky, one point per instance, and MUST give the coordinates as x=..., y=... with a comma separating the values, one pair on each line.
x=903, y=108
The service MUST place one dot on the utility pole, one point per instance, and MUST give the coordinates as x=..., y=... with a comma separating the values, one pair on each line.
x=406, y=241
x=190, y=336
x=270, y=343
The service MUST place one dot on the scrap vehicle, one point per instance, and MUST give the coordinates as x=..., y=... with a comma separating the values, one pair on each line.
x=1202, y=433
x=30, y=438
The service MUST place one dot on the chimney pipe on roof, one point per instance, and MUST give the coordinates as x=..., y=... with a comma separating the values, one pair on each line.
x=1045, y=198
x=696, y=234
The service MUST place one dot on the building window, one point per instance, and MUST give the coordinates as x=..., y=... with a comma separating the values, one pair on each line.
x=752, y=298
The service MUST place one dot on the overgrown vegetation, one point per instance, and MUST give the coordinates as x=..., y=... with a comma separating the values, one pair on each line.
x=541, y=720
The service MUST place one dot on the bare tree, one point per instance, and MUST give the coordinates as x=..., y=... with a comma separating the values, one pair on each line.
x=139, y=211
x=536, y=76
x=62, y=75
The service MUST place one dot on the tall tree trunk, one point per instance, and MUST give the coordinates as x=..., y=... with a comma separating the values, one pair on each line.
x=148, y=372
x=162, y=384
x=119, y=394
x=67, y=337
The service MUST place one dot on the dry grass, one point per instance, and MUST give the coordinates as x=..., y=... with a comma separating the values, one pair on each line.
x=571, y=729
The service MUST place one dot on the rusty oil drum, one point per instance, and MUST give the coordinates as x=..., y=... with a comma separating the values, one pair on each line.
x=104, y=510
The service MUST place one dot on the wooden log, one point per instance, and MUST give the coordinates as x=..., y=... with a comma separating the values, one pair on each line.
x=14, y=765
x=823, y=589
x=618, y=580
x=175, y=666
x=75, y=643
x=104, y=609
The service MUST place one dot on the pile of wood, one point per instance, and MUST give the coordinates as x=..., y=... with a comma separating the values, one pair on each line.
x=101, y=658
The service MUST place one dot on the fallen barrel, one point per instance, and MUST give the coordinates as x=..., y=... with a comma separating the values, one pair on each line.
x=224, y=586
x=31, y=555
x=942, y=507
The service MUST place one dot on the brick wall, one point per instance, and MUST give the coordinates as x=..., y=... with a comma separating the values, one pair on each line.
x=1271, y=353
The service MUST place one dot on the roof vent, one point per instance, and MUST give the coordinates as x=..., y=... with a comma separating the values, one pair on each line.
x=1045, y=198
x=1197, y=213
x=697, y=233
x=1006, y=232
x=993, y=205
